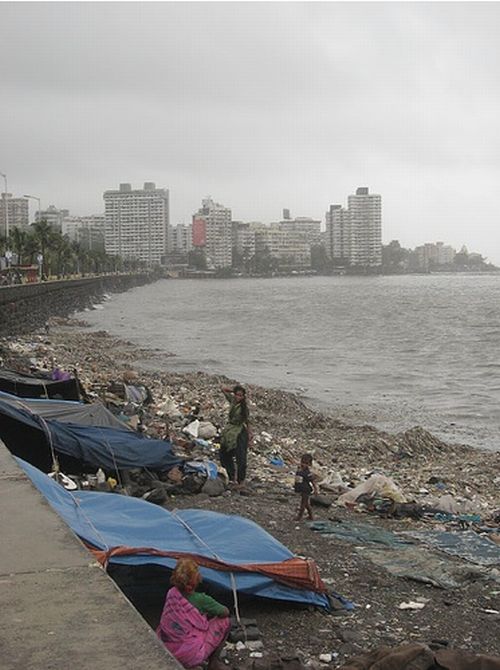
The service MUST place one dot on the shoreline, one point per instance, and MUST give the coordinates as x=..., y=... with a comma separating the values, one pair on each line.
x=283, y=424
x=355, y=415
x=384, y=443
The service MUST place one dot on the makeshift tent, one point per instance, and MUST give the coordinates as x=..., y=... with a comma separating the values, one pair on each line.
x=30, y=437
x=130, y=531
x=67, y=411
x=30, y=386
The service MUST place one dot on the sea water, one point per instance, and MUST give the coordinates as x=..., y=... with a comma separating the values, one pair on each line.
x=393, y=351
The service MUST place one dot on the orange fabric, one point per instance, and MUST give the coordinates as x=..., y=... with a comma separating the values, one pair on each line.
x=295, y=572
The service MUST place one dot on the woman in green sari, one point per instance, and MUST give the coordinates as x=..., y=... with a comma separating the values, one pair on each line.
x=235, y=436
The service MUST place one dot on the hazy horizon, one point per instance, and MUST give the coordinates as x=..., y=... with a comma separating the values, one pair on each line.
x=262, y=106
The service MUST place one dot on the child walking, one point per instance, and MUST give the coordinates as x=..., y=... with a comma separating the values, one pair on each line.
x=305, y=484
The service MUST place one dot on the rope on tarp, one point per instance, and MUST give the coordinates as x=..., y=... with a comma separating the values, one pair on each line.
x=215, y=555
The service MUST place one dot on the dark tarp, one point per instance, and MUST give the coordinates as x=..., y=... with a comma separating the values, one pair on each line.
x=467, y=545
x=422, y=565
x=30, y=386
x=27, y=436
x=67, y=411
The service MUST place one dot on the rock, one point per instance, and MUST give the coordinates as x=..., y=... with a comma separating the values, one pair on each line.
x=350, y=636
x=206, y=430
x=254, y=645
x=320, y=501
x=213, y=487
x=156, y=496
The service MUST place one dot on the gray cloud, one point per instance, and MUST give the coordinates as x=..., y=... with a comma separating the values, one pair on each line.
x=263, y=105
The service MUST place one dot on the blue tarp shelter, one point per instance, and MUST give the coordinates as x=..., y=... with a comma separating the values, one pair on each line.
x=67, y=411
x=27, y=435
x=106, y=520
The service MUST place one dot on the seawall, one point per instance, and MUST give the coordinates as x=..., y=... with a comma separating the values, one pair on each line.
x=26, y=307
x=60, y=610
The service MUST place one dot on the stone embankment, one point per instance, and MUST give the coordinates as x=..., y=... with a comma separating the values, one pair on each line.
x=26, y=307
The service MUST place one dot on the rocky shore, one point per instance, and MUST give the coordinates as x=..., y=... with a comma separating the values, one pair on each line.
x=422, y=466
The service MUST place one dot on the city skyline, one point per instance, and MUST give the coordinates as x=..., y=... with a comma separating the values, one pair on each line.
x=260, y=107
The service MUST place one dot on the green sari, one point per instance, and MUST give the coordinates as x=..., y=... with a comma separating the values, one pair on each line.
x=236, y=423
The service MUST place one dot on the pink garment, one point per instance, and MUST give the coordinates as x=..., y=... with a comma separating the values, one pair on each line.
x=187, y=633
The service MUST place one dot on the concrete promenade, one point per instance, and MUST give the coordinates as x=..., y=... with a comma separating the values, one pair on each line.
x=59, y=610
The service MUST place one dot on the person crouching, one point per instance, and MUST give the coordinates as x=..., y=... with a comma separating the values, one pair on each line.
x=193, y=626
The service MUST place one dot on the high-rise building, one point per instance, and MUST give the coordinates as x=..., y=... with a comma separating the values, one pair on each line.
x=212, y=231
x=13, y=210
x=182, y=238
x=354, y=235
x=338, y=234
x=366, y=227
x=137, y=222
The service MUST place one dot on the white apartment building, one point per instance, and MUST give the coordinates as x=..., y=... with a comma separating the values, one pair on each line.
x=15, y=210
x=137, y=222
x=244, y=236
x=86, y=230
x=53, y=216
x=182, y=239
x=310, y=228
x=432, y=254
x=212, y=224
x=366, y=227
x=354, y=235
x=338, y=234
x=290, y=248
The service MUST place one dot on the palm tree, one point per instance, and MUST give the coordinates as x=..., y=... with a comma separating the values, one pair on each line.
x=31, y=246
x=18, y=238
x=44, y=235
x=62, y=252
x=78, y=255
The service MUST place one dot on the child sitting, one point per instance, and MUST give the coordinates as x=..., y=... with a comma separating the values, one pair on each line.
x=305, y=484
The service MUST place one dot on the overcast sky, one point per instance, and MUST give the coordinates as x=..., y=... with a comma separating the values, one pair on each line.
x=262, y=106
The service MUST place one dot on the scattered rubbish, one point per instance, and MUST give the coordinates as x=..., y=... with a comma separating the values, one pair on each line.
x=411, y=605
x=68, y=483
x=380, y=484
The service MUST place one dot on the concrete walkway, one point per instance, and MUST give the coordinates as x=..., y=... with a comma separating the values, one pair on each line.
x=59, y=610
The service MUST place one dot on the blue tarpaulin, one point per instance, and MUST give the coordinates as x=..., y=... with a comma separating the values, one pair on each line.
x=106, y=520
x=67, y=411
x=109, y=448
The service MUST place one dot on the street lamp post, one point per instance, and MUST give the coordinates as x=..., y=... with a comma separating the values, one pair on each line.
x=39, y=260
x=6, y=205
x=34, y=197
